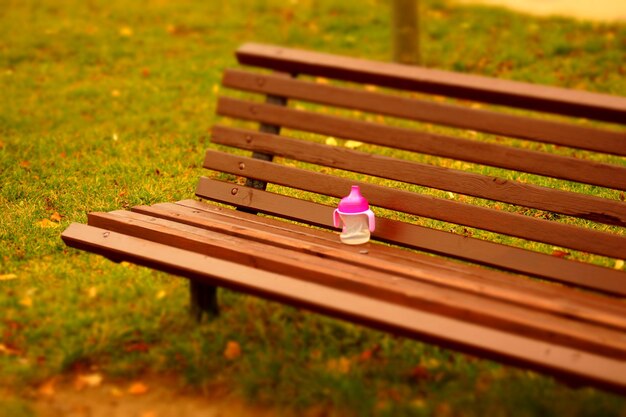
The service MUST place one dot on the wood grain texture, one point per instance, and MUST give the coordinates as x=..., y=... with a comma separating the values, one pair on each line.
x=572, y=272
x=512, y=224
x=499, y=123
x=493, y=188
x=360, y=279
x=472, y=87
x=562, y=361
x=423, y=238
x=538, y=296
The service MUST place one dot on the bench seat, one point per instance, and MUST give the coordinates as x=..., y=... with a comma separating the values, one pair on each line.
x=563, y=332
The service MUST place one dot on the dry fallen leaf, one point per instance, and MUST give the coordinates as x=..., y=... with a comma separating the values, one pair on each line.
x=137, y=347
x=331, y=141
x=92, y=380
x=126, y=31
x=560, y=254
x=161, y=294
x=419, y=373
x=353, y=144
x=7, y=277
x=137, y=388
x=369, y=354
x=87, y=381
x=116, y=392
x=46, y=224
x=340, y=366
x=431, y=363
x=92, y=292
x=232, y=351
x=27, y=301
x=366, y=355
x=56, y=217
x=8, y=350
x=418, y=403
x=47, y=388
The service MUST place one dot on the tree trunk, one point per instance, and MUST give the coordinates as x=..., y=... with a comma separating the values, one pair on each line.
x=406, y=31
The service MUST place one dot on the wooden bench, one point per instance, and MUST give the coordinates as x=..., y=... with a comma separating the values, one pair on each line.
x=421, y=141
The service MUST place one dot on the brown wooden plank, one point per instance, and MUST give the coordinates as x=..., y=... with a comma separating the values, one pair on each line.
x=514, y=349
x=513, y=224
x=366, y=281
x=190, y=210
x=580, y=274
x=423, y=238
x=547, y=131
x=538, y=296
x=528, y=195
x=472, y=87
x=378, y=134
x=399, y=138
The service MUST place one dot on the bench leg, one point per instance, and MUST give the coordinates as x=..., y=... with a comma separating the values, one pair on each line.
x=203, y=300
x=114, y=259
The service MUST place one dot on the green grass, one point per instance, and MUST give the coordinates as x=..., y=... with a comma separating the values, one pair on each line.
x=108, y=104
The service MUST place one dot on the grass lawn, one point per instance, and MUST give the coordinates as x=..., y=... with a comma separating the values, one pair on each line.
x=108, y=104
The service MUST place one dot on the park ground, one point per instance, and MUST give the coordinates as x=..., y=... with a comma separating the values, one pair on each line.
x=107, y=104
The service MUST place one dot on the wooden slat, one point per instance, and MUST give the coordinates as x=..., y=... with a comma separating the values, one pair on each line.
x=538, y=296
x=403, y=138
x=512, y=224
x=562, y=361
x=528, y=195
x=366, y=281
x=398, y=138
x=424, y=238
x=546, y=131
x=582, y=274
x=484, y=89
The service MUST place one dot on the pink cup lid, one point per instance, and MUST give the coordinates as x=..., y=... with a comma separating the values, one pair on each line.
x=354, y=202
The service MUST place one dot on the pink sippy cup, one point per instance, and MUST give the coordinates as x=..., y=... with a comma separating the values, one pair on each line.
x=357, y=218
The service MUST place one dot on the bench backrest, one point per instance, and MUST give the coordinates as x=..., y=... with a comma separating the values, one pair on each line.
x=434, y=152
